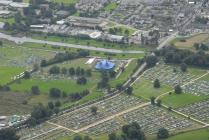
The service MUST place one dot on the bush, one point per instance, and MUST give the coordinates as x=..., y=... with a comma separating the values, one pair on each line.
x=55, y=93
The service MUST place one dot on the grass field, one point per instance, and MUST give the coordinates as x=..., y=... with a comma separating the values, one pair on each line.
x=180, y=100
x=10, y=20
x=188, y=44
x=123, y=29
x=7, y=73
x=64, y=1
x=65, y=84
x=202, y=134
x=145, y=89
x=124, y=75
x=110, y=7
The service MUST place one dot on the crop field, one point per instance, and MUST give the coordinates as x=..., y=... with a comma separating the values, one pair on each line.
x=13, y=103
x=189, y=42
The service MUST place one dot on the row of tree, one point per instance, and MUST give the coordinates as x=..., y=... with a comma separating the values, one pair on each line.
x=61, y=57
x=71, y=71
x=178, y=56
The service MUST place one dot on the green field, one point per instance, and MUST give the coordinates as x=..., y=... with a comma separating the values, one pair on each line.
x=190, y=41
x=202, y=134
x=64, y=1
x=145, y=89
x=110, y=6
x=67, y=84
x=124, y=75
x=10, y=20
x=180, y=100
x=123, y=28
x=7, y=73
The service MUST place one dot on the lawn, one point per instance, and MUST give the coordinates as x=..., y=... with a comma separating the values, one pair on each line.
x=124, y=75
x=10, y=20
x=7, y=73
x=110, y=6
x=144, y=88
x=188, y=44
x=180, y=100
x=64, y=1
x=66, y=84
x=202, y=134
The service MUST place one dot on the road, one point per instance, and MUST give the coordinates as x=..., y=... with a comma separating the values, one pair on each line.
x=21, y=40
x=167, y=40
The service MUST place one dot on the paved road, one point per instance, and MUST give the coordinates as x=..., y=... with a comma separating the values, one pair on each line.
x=21, y=40
x=167, y=40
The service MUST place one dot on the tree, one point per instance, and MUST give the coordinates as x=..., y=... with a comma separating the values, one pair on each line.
x=57, y=103
x=72, y=71
x=156, y=83
x=183, y=67
x=178, y=89
x=54, y=70
x=8, y=134
x=27, y=75
x=87, y=138
x=39, y=113
x=64, y=71
x=1, y=43
x=152, y=100
x=162, y=133
x=81, y=81
x=112, y=136
x=43, y=63
x=50, y=105
x=54, y=92
x=119, y=87
x=112, y=74
x=78, y=137
x=94, y=110
x=133, y=132
x=129, y=90
x=159, y=102
x=78, y=71
x=88, y=72
x=35, y=90
x=151, y=60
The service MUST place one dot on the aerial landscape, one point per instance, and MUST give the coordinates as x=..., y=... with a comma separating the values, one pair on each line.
x=104, y=69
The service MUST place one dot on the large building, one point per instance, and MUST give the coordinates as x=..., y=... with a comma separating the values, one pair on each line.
x=86, y=22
